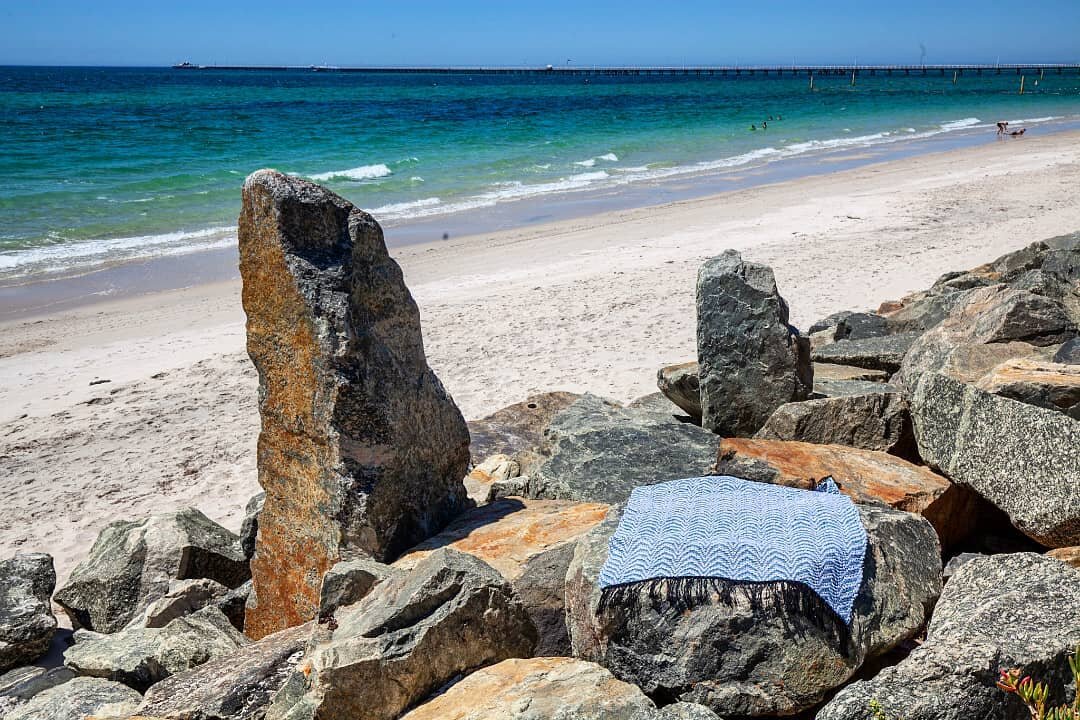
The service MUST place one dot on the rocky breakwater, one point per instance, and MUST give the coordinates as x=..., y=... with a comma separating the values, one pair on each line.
x=362, y=451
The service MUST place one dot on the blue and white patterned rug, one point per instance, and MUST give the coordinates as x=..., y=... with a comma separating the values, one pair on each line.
x=722, y=537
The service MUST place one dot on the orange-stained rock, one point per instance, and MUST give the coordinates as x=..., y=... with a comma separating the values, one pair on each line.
x=1070, y=555
x=539, y=689
x=530, y=543
x=862, y=475
x=361, y=449
x=1054, y=386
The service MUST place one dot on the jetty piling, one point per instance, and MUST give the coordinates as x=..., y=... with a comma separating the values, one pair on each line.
x=694, y=70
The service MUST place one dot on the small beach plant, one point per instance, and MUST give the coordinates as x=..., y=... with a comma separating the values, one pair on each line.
x=1034, y=694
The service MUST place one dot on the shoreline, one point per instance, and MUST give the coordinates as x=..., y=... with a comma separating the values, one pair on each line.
x=594, y=304
x=42, y=294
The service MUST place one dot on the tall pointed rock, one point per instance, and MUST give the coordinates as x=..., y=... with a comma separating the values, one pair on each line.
x=362, y=450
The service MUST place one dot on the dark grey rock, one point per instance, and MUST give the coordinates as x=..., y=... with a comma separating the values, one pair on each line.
x=751, y=360
x=845, y=388
x=658, y=403
x=743, y=663
x=958, y=562
x=874, y=353
x=597, y=451
x=849, y=325
x=26, y=618
x=183, y=598
x=249, y=530
x=1069, y=352
x=517, y=430
x=679, y=383
x=132, y=563
x=687, y=711
x=79, y=698
x=21, y=684
x=992, y=325
x=924, y=311
x=361, y=449
x=998, y=612
x=1021, y=458
x=140, y=657
x=874, y=421
x=410, y=636
x=234, y=605
x=350, y=581
x=236, y=686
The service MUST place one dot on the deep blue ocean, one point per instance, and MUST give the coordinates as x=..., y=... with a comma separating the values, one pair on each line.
x=103, y=164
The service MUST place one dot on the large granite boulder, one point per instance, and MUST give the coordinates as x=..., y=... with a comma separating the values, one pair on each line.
x=1049, y=385
x=872, y=421
x=26, y=618
x=597, y=451
x=20, y=685
x=993, y=324
x=530, y=543
x=1021, y=458
x=863, y=475
x=362, y=450
x=679, y=384
x=746, y=661
x=140, y=657
x=751, y=360
x=79, y=698
x=412, y=634
x=517, y=430
x=919, y=312
x=885, y=353
x=132, y=563
x=543, y=688
x=236, y=686
x=999, y=612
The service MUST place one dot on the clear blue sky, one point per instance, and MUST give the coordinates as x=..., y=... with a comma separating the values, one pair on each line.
x=534, y=32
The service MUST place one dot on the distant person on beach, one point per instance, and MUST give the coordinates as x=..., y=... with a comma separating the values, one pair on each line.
x=1003, y=127
x=1018, y=133
x=764, y=125
x=753, y=127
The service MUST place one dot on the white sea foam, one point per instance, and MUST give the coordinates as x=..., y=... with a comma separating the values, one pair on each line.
x=364, y=172
x=960, y=124
x=1030, y=121
x=591, y=162
x=62, y=254
x=405, y=209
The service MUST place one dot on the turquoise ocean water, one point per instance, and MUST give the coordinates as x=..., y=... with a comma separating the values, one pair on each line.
x=99, y=165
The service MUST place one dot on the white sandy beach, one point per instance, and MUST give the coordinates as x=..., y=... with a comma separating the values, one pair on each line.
x=596, y=304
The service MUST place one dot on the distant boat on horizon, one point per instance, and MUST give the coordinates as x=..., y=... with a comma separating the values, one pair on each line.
x=185, y=66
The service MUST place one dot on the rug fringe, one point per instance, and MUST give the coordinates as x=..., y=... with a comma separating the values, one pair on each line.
x=685, y=593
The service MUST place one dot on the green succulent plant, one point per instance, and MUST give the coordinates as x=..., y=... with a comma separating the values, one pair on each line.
x=1033, y=694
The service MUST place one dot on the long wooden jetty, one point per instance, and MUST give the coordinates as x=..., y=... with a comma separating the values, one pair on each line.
x=702, y=70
